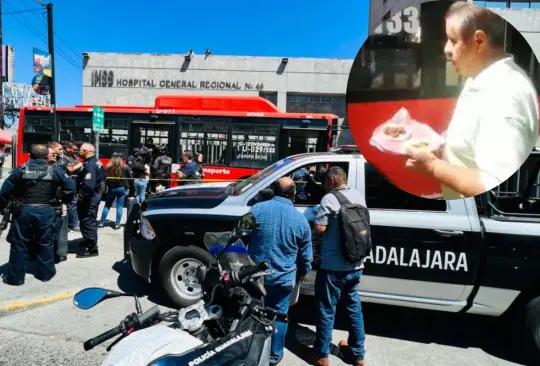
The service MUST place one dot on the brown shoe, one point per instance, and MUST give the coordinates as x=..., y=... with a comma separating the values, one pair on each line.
x=344, y=345
x=322, y=362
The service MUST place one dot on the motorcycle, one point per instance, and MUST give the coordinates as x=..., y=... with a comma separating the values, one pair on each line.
x=230, y=325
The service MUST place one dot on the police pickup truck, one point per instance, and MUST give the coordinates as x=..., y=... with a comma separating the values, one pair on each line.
x=477, y=255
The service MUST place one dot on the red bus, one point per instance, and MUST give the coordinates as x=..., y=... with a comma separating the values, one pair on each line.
x=238, y=135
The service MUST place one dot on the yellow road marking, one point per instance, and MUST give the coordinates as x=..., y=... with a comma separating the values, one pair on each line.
x=24, y=304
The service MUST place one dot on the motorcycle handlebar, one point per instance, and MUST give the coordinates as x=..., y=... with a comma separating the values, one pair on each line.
x=259, y=267
x=91, y=343
x=128, y=323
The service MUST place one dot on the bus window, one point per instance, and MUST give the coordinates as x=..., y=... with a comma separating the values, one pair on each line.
x=114, y=138
x=253, y=146
x=76, y=129
x=208, y=138
x=159, y=133
x=37, y=130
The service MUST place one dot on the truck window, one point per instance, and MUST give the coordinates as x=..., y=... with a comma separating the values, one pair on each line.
x=382, y=194
x=309, y=182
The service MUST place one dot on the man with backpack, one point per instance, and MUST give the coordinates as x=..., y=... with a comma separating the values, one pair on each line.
x=343, y=219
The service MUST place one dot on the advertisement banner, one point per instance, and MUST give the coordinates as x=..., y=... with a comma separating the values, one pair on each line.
x=42, y=62
x=41, y=84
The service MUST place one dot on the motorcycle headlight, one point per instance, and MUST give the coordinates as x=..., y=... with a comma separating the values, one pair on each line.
x=146, y=229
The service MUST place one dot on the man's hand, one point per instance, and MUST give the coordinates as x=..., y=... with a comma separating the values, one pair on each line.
x=422, y=160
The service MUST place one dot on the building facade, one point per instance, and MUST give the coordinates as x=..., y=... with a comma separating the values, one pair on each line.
x=8, y=63
x=292, y=84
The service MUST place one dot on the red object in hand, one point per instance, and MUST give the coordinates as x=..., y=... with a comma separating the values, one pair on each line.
x=131, y=330
x=226, y=277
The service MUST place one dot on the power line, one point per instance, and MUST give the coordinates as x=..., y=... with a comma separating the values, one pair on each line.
x=58, y=49
x=56, y=35
x=20, y=11
x=36, y=32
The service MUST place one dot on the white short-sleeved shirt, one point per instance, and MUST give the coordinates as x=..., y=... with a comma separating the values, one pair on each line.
x=494, y=127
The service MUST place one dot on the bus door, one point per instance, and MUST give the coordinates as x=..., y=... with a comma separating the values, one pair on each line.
x=298, y=136
x=162, y=133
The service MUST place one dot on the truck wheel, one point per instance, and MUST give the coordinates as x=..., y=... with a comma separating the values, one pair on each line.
x=178, y=274
x=532, y=323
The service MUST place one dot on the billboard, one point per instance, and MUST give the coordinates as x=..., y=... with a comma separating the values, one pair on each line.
x=42, y=62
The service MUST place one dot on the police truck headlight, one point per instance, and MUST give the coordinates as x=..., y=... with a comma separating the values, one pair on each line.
x=146, y=229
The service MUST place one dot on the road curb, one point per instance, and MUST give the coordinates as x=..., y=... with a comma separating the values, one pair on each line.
x=11, y=307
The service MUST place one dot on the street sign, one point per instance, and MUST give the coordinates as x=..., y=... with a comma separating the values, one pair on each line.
x=98, y=118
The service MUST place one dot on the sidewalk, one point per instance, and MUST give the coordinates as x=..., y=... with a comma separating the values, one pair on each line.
x=72, y=275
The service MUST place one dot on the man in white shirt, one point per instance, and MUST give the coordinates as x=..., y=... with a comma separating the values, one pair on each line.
x=495, y=122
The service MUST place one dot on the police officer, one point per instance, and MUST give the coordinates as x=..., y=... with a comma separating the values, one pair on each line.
x=162, y=167
x=60, y=243
x=90, y=188
x=33, y=187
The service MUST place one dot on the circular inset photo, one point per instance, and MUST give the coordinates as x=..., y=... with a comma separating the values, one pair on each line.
x=441, y=99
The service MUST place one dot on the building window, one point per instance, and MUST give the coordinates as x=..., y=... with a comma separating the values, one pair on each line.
x=308, y=98
x=269, y=96
x=495, y=4
x=381, y=194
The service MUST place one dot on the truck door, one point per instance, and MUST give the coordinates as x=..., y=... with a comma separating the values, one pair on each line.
x=425, y=251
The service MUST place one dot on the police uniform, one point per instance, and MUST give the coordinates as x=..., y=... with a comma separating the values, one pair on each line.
x=60, y=246
x=90, y=188
x=162, y=167
x=33, y=187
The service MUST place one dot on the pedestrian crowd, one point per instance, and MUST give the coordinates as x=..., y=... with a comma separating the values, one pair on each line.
x=63, y=174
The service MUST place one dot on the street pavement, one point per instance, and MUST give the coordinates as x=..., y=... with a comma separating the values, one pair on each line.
x=39, y=325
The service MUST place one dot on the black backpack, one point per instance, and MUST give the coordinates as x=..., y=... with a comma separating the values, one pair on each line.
x=355, y=229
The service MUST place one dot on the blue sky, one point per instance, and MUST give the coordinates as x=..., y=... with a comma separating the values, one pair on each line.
x=296, y=28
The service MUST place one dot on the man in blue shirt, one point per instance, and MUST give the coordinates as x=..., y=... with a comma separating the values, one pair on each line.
x=283, y=238
x=188, y=171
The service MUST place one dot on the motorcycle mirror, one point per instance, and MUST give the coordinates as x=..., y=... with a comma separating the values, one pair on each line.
x=246, y=225
x=243, y=228
x=90, y=297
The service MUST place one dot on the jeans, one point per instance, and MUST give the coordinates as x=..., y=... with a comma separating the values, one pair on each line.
x=73, y=217
x=119, y=194
x=277, y=298
x=140, y=189
x=329, y=287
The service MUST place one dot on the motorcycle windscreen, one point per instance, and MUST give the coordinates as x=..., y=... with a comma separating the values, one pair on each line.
x=235, y=257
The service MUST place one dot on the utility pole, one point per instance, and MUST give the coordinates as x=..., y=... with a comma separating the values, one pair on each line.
x=53, y=71
x=52, y=88
x=2, y=122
